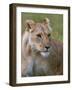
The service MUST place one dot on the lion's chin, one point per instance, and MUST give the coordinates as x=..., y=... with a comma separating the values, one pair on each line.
x=45, y=54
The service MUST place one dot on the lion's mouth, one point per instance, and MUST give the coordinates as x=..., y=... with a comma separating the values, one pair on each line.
x=45, y=53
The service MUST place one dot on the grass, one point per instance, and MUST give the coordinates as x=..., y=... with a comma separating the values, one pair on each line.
x=55, y=19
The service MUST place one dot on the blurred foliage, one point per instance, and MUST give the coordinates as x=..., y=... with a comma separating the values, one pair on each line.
x=55, y=19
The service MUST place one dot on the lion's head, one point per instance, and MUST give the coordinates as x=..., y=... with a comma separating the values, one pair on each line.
x=39, y=36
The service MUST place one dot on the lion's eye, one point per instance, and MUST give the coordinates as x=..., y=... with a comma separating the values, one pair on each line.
x=49, y=35
x=38, y=35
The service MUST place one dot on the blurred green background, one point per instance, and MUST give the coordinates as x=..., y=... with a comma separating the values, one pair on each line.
x=56, y=21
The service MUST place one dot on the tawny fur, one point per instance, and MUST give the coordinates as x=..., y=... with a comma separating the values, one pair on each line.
x=32, y=62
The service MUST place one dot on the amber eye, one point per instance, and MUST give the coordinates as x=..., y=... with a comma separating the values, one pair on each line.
x=38, y=35
x=49, y=35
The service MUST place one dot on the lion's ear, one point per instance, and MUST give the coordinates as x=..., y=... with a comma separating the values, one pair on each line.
x=47, y=24
x=30, y=24
x=46, y=20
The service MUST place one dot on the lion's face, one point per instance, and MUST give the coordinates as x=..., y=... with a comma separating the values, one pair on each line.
x=39, y=38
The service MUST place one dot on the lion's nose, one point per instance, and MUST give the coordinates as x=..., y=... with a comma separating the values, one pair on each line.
x=47, y=47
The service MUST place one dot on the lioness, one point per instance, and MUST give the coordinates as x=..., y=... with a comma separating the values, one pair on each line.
x=41, y=55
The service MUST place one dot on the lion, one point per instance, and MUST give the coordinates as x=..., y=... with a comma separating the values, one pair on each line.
x=41, y=55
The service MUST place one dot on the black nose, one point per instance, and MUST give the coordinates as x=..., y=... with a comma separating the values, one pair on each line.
x=47, y=47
